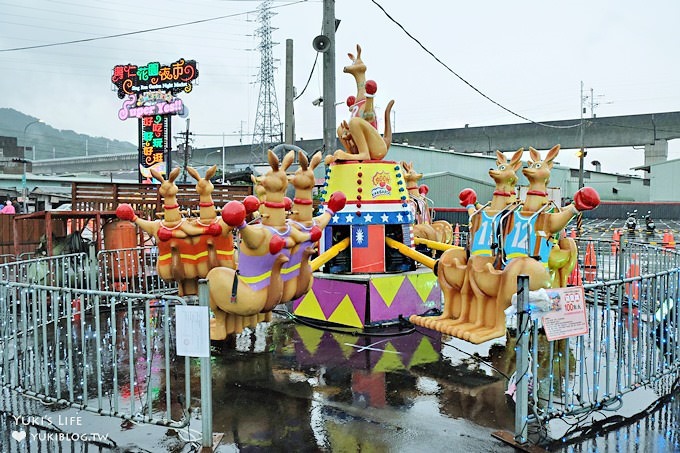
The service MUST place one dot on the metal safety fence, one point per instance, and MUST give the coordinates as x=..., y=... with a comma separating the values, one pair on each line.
x=631, y=293
x=96, y=332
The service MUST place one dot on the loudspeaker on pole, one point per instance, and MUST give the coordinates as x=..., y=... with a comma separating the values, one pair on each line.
x=321, y=43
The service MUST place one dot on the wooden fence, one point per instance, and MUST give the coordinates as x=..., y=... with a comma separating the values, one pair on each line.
x=102, y=198
x=144, y=198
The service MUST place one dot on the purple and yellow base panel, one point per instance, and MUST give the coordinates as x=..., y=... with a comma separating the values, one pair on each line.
x=366, y=300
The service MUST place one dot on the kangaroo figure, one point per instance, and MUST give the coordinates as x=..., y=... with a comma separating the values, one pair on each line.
x=237, y=298
x=360, y=136
x=461, y=310
x=172, y=234
x=219, y=242
x=301, y=218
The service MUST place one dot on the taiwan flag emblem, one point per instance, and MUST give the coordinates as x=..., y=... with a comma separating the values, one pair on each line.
x=360, y=236
x=368, y=248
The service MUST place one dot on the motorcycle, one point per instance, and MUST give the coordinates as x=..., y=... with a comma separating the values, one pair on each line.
x=650, y=226
x=631, y=221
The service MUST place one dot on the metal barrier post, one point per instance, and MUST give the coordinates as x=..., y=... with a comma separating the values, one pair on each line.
x=206, y=376
x=93, y=273
x=522, y=360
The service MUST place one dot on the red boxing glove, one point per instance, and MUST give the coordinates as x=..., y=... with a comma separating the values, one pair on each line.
x=423, y=190
x=315, y=234
x=164, y=234
x=234, y=213
x=371, y=88
x=586, y=198
x=351, y=100
x=287, y=203
x=336, y=202
x=467, y=197
x=214, y=229
x=276, y=244
x=125, y=212
x=251, y=204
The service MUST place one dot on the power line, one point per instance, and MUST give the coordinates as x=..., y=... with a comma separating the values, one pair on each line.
x=464, y=80
x=309, y=78
x=148, y=30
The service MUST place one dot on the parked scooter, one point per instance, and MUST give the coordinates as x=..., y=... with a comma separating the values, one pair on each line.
x=631, y=221
x=650, y=226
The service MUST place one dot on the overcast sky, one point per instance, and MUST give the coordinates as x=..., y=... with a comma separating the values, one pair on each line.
x=529, y=56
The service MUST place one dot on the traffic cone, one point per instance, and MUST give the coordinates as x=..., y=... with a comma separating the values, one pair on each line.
x=668, y=240
x=633, y=288
x=590, y=263
x=456, y=235
x=616, y=240
x=664, y=239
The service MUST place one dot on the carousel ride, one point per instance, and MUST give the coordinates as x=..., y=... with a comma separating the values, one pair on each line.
x=356, y=263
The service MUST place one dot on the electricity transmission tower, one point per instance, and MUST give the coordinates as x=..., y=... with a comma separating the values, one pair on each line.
x=268, y=128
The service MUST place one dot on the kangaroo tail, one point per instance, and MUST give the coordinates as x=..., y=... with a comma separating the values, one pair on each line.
x=388, y=125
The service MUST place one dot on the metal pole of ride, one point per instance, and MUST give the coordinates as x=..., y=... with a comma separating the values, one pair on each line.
x=522, y=360
x=206, y=377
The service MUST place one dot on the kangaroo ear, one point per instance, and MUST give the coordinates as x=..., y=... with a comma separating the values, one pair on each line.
x=516, y=164
x=316, y=160
x=157, y=175
x=552, y=154
x=288, y=160
x=303, y=161
x=500, y=158
x=517, y=156
x=194, y=174
x=273, y=160
x=174, y=174
x=211, y=172
x=535, y=155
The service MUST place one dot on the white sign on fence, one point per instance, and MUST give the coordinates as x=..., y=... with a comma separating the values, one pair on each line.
x=192, y=331
x=567, y=317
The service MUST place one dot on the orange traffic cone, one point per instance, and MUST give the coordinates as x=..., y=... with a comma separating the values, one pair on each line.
x=456, y=235
x=633, y=288
x=616, y=239
x=590, y=263
x=668, y=240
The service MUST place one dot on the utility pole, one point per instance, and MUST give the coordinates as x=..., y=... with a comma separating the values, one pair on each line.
x=223, y=158
x=329, y=126
x=290, y=94
x=581, y=157
x=187, y=150
x=582, y=152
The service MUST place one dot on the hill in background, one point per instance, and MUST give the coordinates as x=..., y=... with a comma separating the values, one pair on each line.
x=50, y=142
